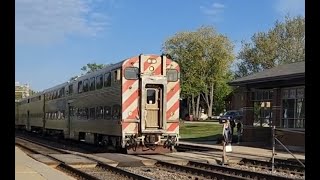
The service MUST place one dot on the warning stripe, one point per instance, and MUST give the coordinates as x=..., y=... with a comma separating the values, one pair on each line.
x=172, y=109
x=130, y=100
x=158, y=70
x=173, y=91
x=125, y=125
x=132, y=107
x=129, y=127
x=130, y=61
x=173, y=99
x=173, y=126
x=127, y=84
x=146, y=65
x=175, y=116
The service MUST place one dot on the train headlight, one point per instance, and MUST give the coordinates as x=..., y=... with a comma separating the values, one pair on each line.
x=172, y=113
x=151, y=68
x=154, y=61
x=130, y=113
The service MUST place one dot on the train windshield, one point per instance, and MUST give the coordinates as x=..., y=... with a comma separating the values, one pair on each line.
x=172, y=75
x=131, y=73
x=151, y=96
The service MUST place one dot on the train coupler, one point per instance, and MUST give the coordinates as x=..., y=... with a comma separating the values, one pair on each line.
x=170, y=142
x=131, y=143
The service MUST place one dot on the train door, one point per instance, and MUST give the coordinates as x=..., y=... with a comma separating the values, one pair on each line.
x=28, y=120
x=153, y=104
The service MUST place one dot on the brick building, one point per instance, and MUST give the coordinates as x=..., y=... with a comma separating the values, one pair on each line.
x=274, y=96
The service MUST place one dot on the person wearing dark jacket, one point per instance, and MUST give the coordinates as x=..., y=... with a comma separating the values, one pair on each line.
x=239, y=131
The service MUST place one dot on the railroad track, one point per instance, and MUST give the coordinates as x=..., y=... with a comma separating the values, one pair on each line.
x=184, y=148
x=63, y=143
x=219, y=172
x=109, y=172
x=281, y=167
x=193, y=170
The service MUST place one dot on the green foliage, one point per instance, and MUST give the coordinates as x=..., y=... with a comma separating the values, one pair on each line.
x=91, y=67
x=282, y=44
x=222, y=90
x=32, y=92
x=204, y=57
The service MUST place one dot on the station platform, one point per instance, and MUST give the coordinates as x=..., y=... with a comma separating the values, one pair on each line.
x=27, y=168
x=248, y=150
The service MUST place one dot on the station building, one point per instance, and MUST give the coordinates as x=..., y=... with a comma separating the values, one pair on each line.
x=21, y=90
x=274, y=96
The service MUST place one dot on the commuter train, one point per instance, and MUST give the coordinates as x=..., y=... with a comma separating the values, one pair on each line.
x=131, y=105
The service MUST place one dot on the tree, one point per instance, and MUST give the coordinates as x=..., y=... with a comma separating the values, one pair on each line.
x=91, y=67
x=204, y=57
x=32, y=92
x=282, y=44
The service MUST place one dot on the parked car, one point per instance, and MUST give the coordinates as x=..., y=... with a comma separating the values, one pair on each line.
x=231, y=114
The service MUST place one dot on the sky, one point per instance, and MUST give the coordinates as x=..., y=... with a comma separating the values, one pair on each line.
x=54, y=39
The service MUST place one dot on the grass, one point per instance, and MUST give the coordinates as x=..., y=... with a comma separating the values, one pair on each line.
x=200, y=131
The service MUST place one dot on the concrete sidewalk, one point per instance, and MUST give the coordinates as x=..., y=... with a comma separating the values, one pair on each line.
x=27, y=168
x=241, y=149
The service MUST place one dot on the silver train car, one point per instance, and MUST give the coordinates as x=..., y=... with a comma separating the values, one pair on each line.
x=132, y=105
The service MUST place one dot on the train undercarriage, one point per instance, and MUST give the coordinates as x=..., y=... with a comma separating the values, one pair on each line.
x=131, y=144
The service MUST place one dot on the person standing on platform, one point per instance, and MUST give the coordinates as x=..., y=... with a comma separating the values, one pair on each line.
x=239, y=131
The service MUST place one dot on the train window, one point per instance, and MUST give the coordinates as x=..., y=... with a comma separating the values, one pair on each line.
x=71, y=111
x=70, y=89
x=86, y=113
x=117, y=75
x=85, y=85
x=172, y=75
x=28, y=100
x=62, y=114
x=116, y=112
x=99, y=81
x=92, y=84
x=99, y=112
x=62, y=92
x=107, y=79
x=79, y=113
x=80, y=87
x=92, y=113
x=58, y=93
x=131, y=73
x=107, y=112
x=151, y=96
x=58, y=115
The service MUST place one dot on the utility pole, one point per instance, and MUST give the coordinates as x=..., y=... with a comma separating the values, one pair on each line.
x=273, y=146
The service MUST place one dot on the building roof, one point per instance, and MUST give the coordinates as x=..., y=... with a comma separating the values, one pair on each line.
x=282, y=72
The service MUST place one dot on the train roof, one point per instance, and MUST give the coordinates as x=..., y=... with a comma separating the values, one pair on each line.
x=56, y=87
x=107, y=68
x=85, y=76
